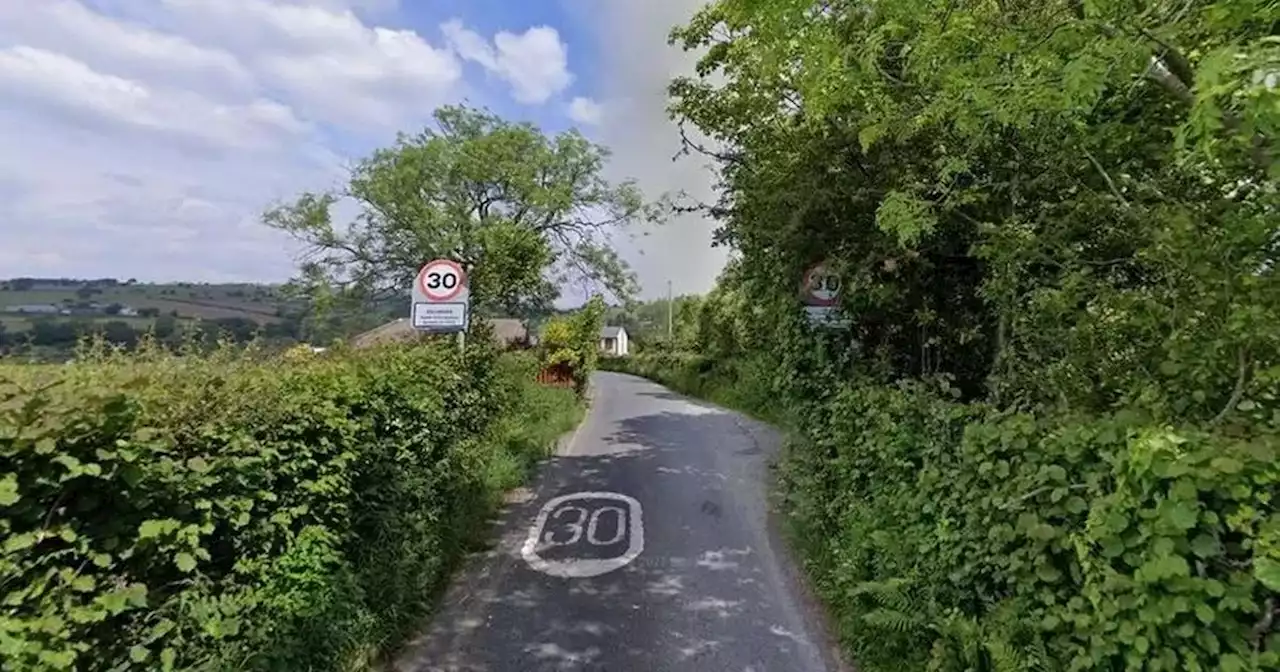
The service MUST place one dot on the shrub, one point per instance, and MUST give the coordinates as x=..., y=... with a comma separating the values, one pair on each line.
x=956, y=536
x=952, y=536
x=573, y=342
x=165, y=512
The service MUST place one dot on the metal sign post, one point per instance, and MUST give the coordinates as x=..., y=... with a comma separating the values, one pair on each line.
x=820, y=293
x=441, y=302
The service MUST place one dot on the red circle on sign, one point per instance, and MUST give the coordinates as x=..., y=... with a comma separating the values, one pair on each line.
x=433, y=294
x=811, y=293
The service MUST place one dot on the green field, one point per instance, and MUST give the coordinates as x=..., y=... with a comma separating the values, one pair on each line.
x=187, y=301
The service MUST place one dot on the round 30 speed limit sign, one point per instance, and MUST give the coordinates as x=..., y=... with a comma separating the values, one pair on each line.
x=441, y=301
x=821, y=286
x=442, y=280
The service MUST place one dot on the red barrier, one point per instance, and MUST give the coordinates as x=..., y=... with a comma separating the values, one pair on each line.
x=559, y=375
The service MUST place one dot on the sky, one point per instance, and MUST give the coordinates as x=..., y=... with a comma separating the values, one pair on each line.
x=144, y=138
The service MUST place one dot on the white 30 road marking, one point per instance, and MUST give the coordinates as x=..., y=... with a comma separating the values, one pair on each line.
x=575, y=524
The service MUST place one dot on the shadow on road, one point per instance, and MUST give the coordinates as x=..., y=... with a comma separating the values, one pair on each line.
x=703, y=594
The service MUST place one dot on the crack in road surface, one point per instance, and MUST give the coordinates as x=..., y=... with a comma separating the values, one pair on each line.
x=644, y=546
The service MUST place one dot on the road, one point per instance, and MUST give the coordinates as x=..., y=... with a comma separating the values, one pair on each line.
x=667, y=563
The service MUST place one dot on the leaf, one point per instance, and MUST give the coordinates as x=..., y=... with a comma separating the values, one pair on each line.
x=1205, y=546
x=1166, y=567
x=1048, y=573
x=1179, y=514
x=869, y=134
x=1226, y=465
x=905, y=217
x=185, y=562
x=9, y=490
x=150, y=529
x=1076, y=504
x=1042, y=532
x=1205, y=613
x=1267, y=572
x=138, y=653
x=198, y=465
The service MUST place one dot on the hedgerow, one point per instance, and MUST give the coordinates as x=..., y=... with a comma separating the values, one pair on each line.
x=946, y=535
x=1043, y=435
x=241, y=512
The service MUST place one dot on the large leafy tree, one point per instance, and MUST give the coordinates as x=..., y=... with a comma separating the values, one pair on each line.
x=523, y=212
x=1059, y=202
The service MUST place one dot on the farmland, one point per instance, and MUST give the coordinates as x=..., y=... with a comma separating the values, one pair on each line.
x=118, y=300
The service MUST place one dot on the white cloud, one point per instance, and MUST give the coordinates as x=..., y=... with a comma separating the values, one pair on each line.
x=644, y=140
x=146, y=141
x=328, y=59
x=53, y=78
x=534, y=63
x=71, y=29
x=585, y=111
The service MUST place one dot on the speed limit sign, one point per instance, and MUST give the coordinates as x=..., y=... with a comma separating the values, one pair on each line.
x=442, y=280
x=820, y=291
x=441, y=297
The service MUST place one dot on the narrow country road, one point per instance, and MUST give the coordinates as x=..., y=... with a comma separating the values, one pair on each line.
x=643, y=547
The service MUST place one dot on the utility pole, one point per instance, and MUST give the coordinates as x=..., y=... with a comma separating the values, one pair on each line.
x=670, y=307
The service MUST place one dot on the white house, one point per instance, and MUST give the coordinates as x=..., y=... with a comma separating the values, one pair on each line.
x=614, y=341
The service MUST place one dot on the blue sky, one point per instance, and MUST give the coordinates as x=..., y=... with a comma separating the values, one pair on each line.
x=143, y=138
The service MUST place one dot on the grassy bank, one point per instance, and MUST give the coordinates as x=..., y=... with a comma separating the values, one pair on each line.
x=233, y=512
x=948, y=536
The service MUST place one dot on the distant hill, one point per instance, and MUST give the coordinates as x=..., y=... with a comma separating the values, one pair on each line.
x=25, y=299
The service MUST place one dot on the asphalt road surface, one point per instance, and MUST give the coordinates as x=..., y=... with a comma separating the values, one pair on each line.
x=644, y=546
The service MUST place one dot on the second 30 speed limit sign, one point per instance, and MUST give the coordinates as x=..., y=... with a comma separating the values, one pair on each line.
x=441, y=297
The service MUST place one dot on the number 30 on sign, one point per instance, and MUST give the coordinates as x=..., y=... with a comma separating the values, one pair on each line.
x=442, y=280
x=441, y=298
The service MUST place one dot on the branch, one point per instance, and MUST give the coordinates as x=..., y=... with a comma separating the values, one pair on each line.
x=686, y=144
x=1263, y=626
x=1105, y=176
x=1242, y=378
x=1173, y=59
x=1160, y=73
x=1041, y=491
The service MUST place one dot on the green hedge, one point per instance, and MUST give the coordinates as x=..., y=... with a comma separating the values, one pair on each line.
x=733, y=383
x=219, y=513
x=952, y=536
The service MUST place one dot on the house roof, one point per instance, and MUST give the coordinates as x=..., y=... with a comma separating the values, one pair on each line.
x=505, y=331
x=396, y=330
x=508, y=330
x=610, y=332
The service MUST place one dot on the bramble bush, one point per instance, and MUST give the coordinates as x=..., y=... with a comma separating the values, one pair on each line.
x=168, y=512
x=957, y=536
x=1046, y=436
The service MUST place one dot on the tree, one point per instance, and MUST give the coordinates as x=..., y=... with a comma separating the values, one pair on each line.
x=1030, y=207
x=574, y=341
x=522, y=212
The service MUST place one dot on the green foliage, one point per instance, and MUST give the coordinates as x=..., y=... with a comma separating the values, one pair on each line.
x=1048, y=438
x=1056, y=203
x=240, y=512
x=521, y=211
x=574, y=342
x=1118, y=544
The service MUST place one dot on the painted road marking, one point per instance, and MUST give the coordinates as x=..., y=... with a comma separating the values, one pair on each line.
x=585, y=534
